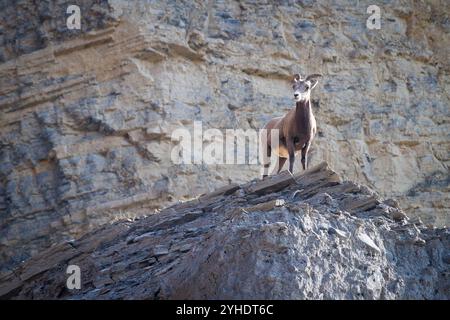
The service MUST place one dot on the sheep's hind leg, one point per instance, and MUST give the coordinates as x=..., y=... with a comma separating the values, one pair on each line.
x=281, y=162
x=266, y=161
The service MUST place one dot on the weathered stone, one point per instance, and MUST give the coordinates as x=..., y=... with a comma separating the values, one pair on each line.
x=369, y=242
x=270, y=184
x=340, y=233
x=265, y=206
x=225, y=190
x=299, y=250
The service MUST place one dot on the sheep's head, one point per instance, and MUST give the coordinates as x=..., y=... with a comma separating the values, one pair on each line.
x=302, y=87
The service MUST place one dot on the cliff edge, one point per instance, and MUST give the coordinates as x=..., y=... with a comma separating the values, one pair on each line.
x=303, y=236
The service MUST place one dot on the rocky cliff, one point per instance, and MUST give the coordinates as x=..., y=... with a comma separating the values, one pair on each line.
x=87, y=115
x=307, y=236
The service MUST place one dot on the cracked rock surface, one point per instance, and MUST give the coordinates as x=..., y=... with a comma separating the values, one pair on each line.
x=303, y=236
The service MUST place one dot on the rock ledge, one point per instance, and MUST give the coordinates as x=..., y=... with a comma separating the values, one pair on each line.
x=303, y=236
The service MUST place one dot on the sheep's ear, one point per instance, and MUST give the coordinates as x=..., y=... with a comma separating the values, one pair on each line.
x=296, y=77
x=312, y=78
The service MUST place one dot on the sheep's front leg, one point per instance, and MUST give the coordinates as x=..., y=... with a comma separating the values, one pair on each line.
x=305, y=155
x=291, y=151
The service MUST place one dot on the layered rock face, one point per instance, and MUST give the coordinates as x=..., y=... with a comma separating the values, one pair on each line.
x=87, y=115
x=307, y=236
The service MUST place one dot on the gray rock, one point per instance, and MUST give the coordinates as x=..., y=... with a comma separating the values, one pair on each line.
x=185, y=253
x=368, y=241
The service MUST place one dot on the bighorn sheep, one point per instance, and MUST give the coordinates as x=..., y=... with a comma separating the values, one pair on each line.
x=296, y=129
